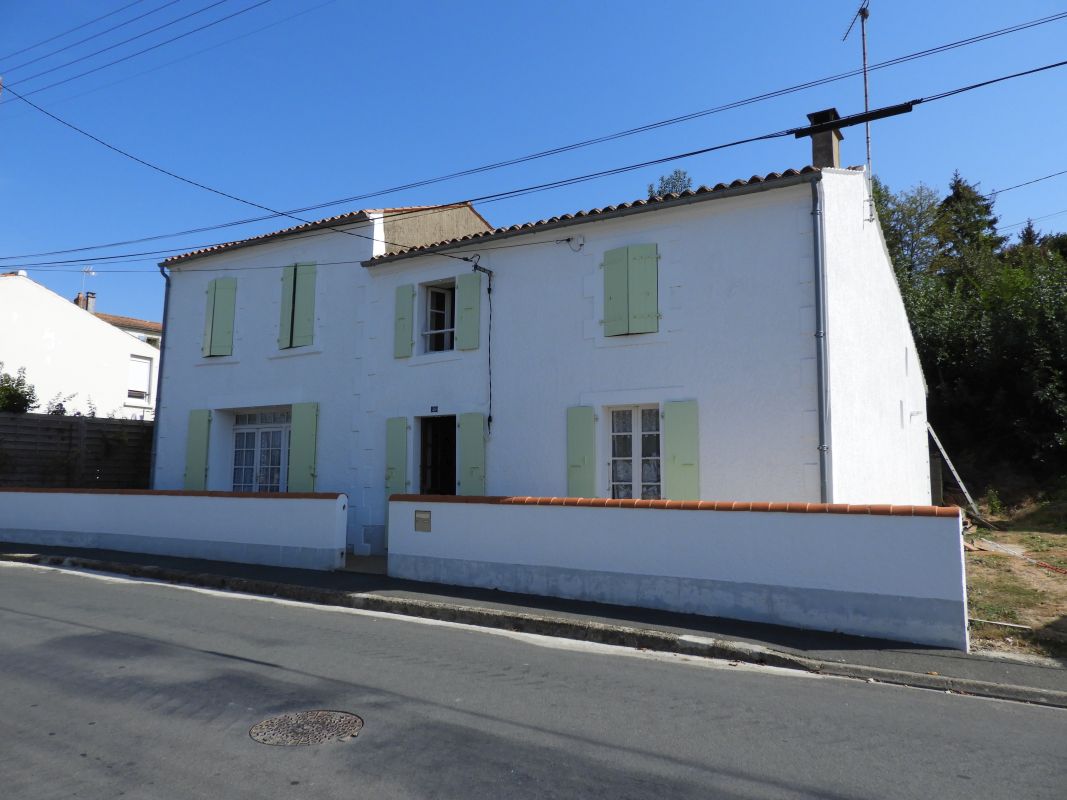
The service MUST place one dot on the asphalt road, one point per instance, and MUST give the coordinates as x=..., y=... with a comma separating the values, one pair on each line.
x=112, y=688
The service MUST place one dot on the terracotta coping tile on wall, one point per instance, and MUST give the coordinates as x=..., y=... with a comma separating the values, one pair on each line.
x=687, y=505
x=181, y=493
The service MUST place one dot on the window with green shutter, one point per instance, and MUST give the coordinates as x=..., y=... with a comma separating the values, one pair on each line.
x=196, y=443
x=296, y=326
x=631, y=290
x=581, y=452
x=471, y=456
x=681, y=451
x=303, y=436
x=219, y=317
x=403, y=321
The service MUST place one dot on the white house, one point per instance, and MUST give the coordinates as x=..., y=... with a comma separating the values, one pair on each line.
x=67, y=350
x=143, y=329
x=743, y=342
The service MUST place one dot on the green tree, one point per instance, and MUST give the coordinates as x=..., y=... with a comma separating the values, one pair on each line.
x=17, y=395
x=675, y=183
x=966, y=229
x=907, y=222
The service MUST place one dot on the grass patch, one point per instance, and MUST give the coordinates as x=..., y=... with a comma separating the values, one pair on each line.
x=995, y=593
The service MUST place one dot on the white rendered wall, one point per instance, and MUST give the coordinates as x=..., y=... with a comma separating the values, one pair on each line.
x=281, y=530
x=66, y=350
x=895, y=577
x=878, y=438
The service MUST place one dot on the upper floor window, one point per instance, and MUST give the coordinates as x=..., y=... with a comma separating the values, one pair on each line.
x=440, y=329
x=218, y=318
x=296, y=327
x=140, y=378
x=631, y=290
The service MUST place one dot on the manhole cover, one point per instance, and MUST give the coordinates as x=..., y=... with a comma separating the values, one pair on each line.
x=306, y=727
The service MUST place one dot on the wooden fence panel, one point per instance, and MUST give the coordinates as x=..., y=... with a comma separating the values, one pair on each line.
x=45, y=451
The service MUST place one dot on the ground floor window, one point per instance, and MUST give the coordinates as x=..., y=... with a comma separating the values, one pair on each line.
x=635, y=453
x=261, y=450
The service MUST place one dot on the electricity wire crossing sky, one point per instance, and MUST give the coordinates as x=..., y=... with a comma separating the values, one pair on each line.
x=165, y=121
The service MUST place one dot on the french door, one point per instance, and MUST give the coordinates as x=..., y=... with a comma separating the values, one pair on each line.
x=635, y=453
x=260, y=459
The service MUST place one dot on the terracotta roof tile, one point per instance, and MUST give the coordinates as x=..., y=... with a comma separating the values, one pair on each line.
x=523, y=227
x=131, y=322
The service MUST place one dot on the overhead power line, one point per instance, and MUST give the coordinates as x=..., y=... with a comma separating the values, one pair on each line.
x=71, y=30
x=93, y=36
x=844, y=122
x=141, y=52
x=561, y=149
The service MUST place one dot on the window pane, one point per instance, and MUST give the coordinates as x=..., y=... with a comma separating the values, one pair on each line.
x=650, y=419
x=650, y=491
x=622, y=491
x=650, y=445
x=621, y=421
x=650, y=470
x=622, y=446
x=622, y=470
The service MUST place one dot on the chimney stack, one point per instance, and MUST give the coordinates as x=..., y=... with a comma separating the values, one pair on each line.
x=825, y=147
x=86, y=301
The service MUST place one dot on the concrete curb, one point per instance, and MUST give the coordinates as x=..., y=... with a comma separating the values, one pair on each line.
x=588, y=631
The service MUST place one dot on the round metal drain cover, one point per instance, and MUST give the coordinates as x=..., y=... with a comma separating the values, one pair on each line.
x=307, y=727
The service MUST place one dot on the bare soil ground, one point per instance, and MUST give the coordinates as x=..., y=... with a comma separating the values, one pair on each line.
x=1011, y=589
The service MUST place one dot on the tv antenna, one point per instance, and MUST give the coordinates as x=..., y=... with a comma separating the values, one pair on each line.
x=862, y=13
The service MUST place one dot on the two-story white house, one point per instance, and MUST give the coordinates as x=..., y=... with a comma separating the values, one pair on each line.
x=745, y=341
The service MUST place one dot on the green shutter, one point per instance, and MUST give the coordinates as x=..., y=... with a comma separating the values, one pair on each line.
x=222, y=317
x=304, y=312
x=471, y=440
x=396, y=456
x=209, y=318
x=643, y=288
x=581, y=452
x=302, y=435
x=403, y=322
x=468, y=310
x=616, y=302
x=681, y=451
x=285, y=324
x=196, y=439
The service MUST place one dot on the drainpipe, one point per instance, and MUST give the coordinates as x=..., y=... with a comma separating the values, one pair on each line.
x=159, y=379
x=823, y=390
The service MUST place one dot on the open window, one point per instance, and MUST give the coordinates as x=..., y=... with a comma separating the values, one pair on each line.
x=439, y=329
x=140, y=379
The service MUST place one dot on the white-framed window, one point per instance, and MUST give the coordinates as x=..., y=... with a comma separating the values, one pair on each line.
x=140, y=378
x=439, y=317
x=635, y=452
x=261, y=450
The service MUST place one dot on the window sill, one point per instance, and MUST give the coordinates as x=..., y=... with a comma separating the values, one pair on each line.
x=437, y=357
x=144, y=406
x=211, y=361
x=293, y=352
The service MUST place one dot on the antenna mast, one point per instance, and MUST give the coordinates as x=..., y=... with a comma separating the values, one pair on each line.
x=862, y=14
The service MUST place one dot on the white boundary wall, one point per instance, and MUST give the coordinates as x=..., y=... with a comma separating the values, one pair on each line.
x=295, y=530
x=870, y=573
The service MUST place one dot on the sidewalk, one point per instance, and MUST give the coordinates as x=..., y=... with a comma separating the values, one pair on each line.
x=812, y=651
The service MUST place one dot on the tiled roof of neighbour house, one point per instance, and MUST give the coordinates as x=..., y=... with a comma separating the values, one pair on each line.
x=131, y=322
x=634, y=206
x=338, y=221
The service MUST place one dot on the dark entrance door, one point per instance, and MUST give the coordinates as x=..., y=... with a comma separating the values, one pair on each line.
x=438, y=463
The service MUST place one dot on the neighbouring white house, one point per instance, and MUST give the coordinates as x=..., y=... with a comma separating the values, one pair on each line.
x=745, y=342
x=73, y=355
x=143, y=329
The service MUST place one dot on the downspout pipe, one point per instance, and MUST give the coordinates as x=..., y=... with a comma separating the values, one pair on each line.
x=159, y=378
x=822, y=378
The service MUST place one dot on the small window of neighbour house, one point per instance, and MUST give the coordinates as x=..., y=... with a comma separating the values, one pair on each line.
x=140, y=378
x=635, y=453
x=261, y=451
x=440, y=315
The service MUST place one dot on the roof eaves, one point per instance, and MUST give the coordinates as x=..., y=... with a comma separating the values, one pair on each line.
x=756, y=183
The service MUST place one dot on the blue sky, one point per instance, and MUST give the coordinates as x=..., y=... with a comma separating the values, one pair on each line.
x=298, y=102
